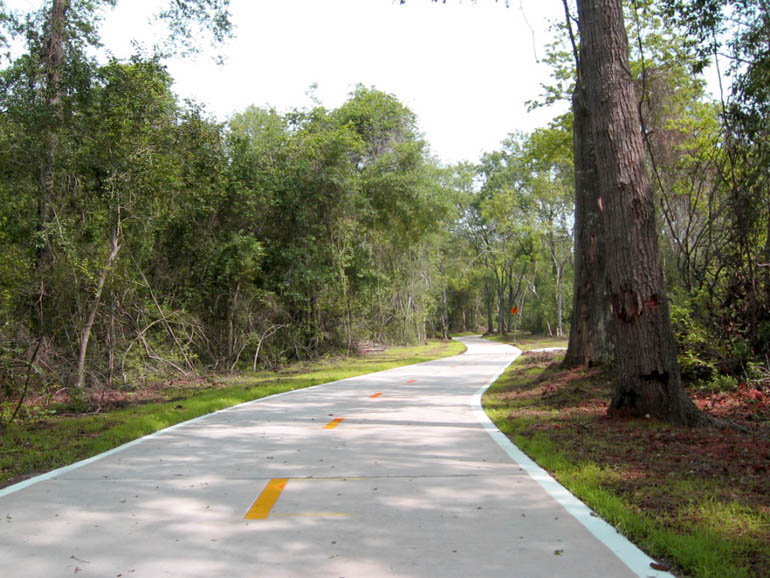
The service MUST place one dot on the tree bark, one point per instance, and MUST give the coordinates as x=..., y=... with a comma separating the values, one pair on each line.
x=589, y=342
x=766, y=264
x=261, y=339
x=86, y=335
x=231, y=307
x=648, y=378
x=500, y=292
x=52, y=63
x=560, y=300
x=444, y=313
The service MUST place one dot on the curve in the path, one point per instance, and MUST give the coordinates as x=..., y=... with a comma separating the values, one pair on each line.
x=390, y=474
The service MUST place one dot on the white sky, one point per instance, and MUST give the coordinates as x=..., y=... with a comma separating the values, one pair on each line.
x=465, y=70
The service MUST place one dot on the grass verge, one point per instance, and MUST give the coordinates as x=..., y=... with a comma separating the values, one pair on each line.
x=527, y=341
x=51, y=439
x=695, y=499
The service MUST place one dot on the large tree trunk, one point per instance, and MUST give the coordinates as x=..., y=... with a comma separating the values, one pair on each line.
x=589, y=342
x=648, y=379
x=52, y=62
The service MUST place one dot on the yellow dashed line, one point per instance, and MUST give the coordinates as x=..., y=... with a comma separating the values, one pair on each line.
x=375, y=395
x=261, y=507
x=334, y=423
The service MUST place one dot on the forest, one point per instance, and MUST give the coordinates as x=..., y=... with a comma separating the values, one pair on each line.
x=143, y=240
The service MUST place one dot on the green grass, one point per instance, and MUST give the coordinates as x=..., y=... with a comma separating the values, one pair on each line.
x=527, y=341
x=700, y=536
x=703, y=551
x=32, y=447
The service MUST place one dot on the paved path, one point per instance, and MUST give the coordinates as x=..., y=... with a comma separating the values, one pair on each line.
x=391, y=474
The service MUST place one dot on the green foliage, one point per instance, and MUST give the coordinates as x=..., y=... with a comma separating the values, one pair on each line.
x=697, y=346
x=174, y=242
x=190, y=20
x=518, y=228
x=275, y=237
x=721, y=230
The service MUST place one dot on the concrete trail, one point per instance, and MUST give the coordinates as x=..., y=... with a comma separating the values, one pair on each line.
x=396, y=473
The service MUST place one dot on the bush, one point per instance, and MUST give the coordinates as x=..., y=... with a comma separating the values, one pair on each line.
x=698, y=355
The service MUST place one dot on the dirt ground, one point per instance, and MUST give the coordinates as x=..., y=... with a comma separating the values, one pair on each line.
x=671, y=473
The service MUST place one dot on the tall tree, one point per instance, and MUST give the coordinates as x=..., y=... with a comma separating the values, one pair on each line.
x=68, y=26
x=589, y=339
x=48, y=94
x=648, y=376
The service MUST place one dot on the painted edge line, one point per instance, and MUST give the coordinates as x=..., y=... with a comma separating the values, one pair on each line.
x=628, y=553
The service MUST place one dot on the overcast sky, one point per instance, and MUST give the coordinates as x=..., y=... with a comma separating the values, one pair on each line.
x=465, y=70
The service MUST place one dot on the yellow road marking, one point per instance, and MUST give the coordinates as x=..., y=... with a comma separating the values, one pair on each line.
x=375, y=395
x=334, y=423
x=412, y=381
x=261, y=507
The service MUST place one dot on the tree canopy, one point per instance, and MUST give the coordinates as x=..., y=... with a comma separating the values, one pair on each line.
x=140, y=238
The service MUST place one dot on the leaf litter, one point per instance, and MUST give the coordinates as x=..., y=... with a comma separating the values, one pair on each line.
x=677, y=475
